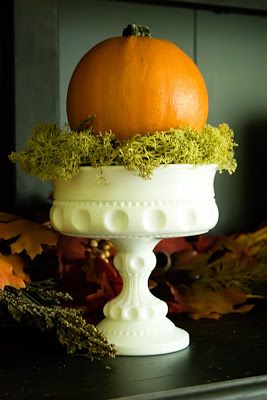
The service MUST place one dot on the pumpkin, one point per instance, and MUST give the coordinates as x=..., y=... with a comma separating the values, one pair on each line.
x=136, y=84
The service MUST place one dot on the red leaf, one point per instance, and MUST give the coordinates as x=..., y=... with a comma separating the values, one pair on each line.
x=205, y=242
x=71, y=249
x=173, y=245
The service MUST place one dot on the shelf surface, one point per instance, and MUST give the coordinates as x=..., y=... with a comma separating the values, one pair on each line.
x=227, y=359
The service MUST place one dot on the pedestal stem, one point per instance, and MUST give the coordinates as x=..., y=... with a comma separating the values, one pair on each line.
x=135, y=261
x=136, y=320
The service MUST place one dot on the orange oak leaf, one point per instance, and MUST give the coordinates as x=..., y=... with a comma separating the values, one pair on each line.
x=214, y=304
x=18, y=265
x=7, y=276
x=31, y=236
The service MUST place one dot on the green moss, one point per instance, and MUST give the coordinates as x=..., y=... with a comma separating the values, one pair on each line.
x=53, y=153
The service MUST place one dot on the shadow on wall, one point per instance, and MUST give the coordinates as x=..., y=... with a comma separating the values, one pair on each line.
x=254, y=145
x=35, y=208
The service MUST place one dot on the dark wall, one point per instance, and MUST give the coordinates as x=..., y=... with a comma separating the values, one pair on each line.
x=29, y=92
x=37, y=83
x=7, y=135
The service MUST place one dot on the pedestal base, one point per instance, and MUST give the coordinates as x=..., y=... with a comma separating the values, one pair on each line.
x=142, y=338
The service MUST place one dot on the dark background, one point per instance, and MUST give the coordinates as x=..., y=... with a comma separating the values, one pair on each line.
x=41, y=42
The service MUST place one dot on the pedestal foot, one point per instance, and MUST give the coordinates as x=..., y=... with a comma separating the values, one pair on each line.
x=142, y=338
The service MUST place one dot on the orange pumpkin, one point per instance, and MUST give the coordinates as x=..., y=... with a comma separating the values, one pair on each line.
x=137, y=84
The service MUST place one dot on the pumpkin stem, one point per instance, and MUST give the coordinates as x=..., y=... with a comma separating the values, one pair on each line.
x=136, y=30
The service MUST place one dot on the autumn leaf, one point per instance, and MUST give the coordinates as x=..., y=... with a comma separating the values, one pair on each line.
x=71, y=249
x=173, y=245
x=205, y=242
x=18, y=266
x=31, y=236
x=7, y=276
x=209, y=304
x=214, y=304
x=177, y=305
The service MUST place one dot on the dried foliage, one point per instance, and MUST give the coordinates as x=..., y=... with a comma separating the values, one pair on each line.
x=42, y=308
x=236, y=261
x=37, y=305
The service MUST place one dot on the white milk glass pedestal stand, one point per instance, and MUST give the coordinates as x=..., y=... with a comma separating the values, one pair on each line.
x=135, y=214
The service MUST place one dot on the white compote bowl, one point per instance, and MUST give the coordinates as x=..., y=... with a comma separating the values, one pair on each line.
x=135, y=214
